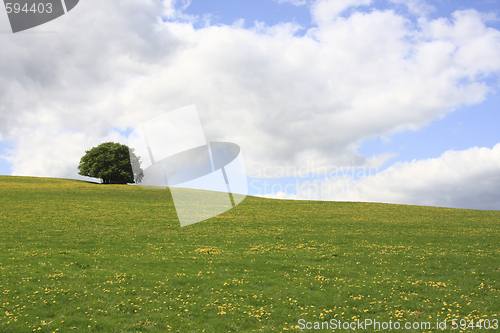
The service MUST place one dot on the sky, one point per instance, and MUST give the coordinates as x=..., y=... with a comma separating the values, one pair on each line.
x=391, y=101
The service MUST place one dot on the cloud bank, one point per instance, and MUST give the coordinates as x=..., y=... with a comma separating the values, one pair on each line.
x=283, y=98
x=457, y=179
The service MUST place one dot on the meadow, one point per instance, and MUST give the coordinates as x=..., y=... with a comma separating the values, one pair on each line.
x=83, y=257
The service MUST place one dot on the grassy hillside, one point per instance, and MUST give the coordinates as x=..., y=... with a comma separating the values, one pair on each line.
x=111, y=258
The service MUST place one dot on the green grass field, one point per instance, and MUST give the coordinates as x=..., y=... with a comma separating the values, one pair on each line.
x=86, y=257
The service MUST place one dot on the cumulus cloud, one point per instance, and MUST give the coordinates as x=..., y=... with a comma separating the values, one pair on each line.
x=327, y=10
x=417, y=7
x=293, y=2
x=283, y=98
x=59, y=149
x=458, y=179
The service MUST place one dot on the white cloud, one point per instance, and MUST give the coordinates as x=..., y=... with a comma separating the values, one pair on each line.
x=283, y=98
x=379, y=160
x=293, y=2
x=418, y=7
x=49, y=152
x=327, y=10
x=458, y=179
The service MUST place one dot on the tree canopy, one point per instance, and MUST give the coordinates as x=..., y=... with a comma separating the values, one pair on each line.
x=110, y=162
